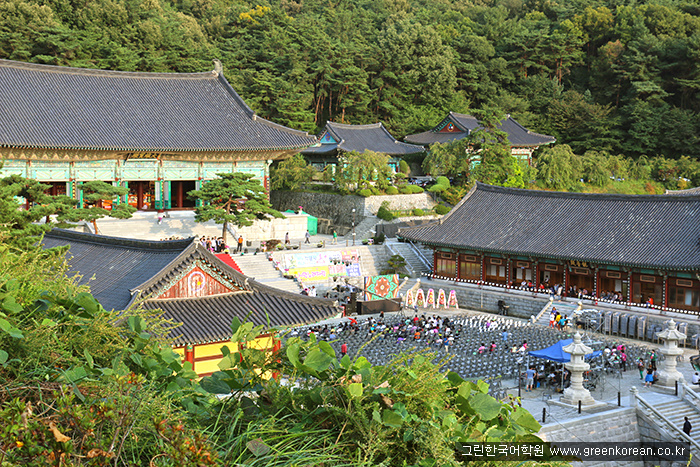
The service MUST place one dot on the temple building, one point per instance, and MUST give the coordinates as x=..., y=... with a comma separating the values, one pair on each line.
x=192, y=286
x=458, y=126
x=643, y=249
x=339, y=138
x=159, y=134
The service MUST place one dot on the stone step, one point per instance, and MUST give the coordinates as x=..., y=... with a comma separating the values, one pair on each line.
x=676, y=411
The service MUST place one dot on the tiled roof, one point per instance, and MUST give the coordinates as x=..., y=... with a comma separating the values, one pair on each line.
x=208, y=319
x=74, y=108
x=688, y=191
x=518, y=135
x=113, y=266
x=363, y=138
x=119, y=271
x=648, y=231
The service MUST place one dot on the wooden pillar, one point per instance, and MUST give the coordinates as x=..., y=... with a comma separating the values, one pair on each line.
x=189, y=355
x=665, y=289
x=178, y=195
x=482, y=272
x=509, y=272
x=596, y=283
x=139, y=195
x=630, y=288
x=536, y=273
x=565, y=292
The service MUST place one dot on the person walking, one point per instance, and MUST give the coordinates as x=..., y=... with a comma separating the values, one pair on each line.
x=344, y=349
x=307, y=237
x=649, y=378
x=687, y=426
x=286, y=239
x=335, y=236
x=530, y=382
x=240, y=244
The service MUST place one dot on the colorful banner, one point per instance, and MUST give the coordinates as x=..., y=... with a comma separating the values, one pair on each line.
x=322, y=273
x=320, y=258
x=431, y=298
x=420, y=297
x=354, y=270
x=409, y=298
x=380, y=287
x=442, y=300
x=311, y=274
x=452, y=301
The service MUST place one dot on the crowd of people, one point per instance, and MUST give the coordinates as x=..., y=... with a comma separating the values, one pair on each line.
x=214, y=244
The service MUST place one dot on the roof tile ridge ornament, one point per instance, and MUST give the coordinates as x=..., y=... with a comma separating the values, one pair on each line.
x=218, y=67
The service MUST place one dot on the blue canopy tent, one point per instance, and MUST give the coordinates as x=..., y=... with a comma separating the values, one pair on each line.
x=556, y=353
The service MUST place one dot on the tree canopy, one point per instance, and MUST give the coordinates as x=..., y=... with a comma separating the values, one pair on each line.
x=233, y=198
x=616, y=76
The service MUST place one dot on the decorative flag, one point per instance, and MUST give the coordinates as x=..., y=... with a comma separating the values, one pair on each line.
x=409, y=298
x=420, y=298
x=442, y=299
x=452, y=301
x=379, y=287
x=431, y=297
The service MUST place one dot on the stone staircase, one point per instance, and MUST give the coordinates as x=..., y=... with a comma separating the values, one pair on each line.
x=565, y=308
x=364, y=229
x=675, y=410
x=414, y=265
x=263, y=271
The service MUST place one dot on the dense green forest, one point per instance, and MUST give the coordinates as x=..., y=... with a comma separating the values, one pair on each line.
x=620, y=76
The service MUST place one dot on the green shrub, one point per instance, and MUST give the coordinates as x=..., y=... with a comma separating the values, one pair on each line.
x=392, y=190
x=385, y=214
x=375, y=191
x=405, y=190
x=404, y=168
x=364, y=192
x=417, y=212
x=415, y=189
x=454, y=194
x=379, y=239
x=444, y=181
x=437, y=188
x=441, y=209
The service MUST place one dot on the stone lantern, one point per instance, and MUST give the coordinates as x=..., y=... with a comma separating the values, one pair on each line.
x=667, y=372
x=576, y=392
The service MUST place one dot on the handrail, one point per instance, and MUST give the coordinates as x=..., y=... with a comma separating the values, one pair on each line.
x=689, y=394
x=672, y=428
x=420, y=256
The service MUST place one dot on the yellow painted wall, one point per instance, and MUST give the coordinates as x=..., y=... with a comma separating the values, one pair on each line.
x=214, y=350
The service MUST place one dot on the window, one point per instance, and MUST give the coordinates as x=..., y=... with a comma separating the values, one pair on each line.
x=469, y=270
x=445, y=267
x=497, y=271
x=679, y=297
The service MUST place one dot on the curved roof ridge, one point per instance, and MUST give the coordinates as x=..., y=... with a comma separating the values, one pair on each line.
x=90, y=109
x=530, y=132
x=590, y=196
x=100, y=71
x=349, y=126
x=252, y=114
x=124, y=242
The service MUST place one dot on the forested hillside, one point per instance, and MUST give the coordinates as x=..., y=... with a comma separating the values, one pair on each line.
x=619, y=76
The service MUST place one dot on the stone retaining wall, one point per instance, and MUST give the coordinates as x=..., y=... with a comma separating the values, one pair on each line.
x=618, y=425
x=487, y=300
x=338, y=208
